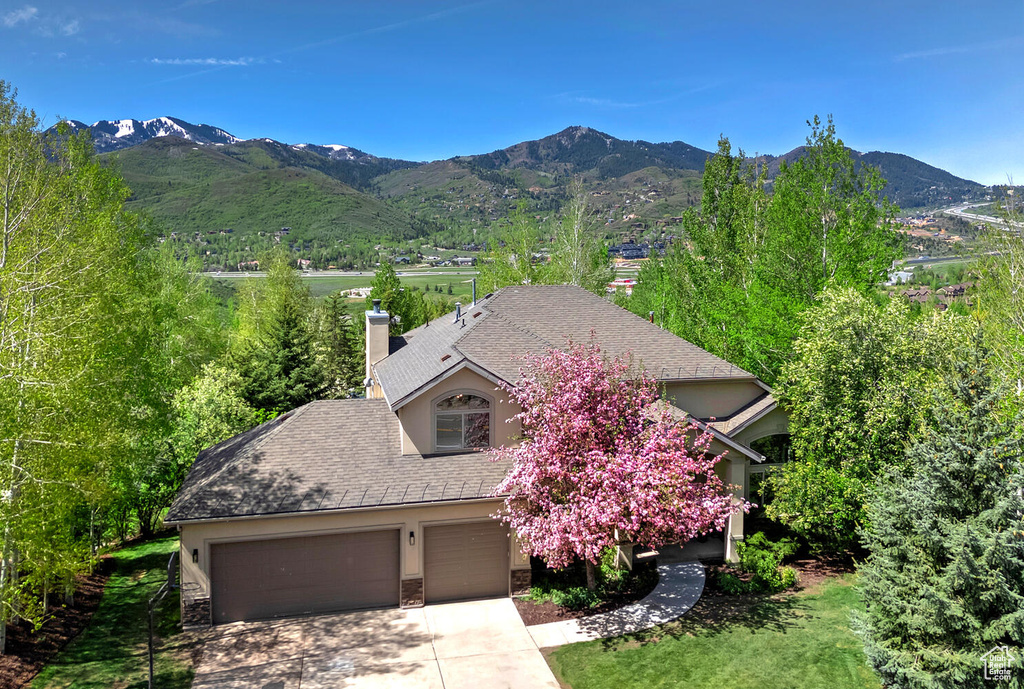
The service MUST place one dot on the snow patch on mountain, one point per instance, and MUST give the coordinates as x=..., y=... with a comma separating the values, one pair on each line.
x=114, y=135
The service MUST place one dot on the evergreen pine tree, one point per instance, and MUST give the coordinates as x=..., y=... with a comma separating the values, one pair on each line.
x=342, y=361
x=280, y=369
x=944, y=581
x=275, y=351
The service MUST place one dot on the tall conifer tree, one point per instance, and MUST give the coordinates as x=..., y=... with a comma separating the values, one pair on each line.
x=944, y=582
x=275, y=351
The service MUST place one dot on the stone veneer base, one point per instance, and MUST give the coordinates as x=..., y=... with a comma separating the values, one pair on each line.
x=522, y=579
x=412, y=592
x=196, y=613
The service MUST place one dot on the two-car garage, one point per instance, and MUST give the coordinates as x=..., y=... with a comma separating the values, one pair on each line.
x=278, y=577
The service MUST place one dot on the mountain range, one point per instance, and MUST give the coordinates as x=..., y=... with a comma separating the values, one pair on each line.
x=198, y=180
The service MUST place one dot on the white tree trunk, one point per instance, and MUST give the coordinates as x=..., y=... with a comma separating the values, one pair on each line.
x=3, y=606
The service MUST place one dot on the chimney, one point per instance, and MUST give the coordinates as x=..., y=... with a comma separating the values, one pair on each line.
x=376, y=345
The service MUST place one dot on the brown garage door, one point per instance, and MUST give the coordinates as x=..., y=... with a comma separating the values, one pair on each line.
x=464, y=561
x=255, y=580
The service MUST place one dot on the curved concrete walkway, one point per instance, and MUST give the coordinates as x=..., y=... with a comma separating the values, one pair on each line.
x=679, y=586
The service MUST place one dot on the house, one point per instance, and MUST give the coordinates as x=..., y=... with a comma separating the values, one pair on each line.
x=899, y=277
x=387, y=500
x=921, y=295
x=955, y=291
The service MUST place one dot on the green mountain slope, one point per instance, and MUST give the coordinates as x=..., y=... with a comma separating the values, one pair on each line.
x=914, y=184
x=339, y=202
x=911, y=183
x=633, y=186
x=312, y=204
x=195, y=193
x=577, y=150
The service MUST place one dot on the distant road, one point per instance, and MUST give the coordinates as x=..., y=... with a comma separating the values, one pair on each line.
x=338, y=273
x=961, y=211
x=943, y=259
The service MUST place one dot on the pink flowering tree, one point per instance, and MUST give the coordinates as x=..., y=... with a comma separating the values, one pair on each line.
x=602, y=462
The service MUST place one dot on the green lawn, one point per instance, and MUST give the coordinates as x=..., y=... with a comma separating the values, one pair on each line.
x=801, y=640
x=111, y=652
x=323, y=285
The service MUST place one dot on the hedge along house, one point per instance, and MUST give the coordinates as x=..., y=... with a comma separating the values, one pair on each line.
x=387, y=501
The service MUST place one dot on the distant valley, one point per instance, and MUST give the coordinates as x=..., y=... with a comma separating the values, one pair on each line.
x=227, y=199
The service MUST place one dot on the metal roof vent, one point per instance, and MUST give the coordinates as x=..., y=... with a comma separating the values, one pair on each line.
x=458, y=312
x=376, y=305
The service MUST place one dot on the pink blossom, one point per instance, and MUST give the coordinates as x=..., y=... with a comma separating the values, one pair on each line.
x=601, y=461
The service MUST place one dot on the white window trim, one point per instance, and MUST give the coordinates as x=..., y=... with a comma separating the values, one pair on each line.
x=453, y=393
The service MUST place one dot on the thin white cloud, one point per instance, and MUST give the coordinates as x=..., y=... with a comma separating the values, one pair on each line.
x=275, y=56
x=71, y=28
x=957, y=49
x=576, y=97
x=16, y=17
x=207, y=61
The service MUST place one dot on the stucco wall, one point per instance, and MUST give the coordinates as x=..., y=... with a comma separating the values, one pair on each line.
x=718, y=398
x=417, y=418
x=195, y=576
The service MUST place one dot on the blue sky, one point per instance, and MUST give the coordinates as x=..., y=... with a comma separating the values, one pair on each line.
x=941, y=81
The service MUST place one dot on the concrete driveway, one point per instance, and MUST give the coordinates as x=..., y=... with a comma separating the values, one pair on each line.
x=470, y=645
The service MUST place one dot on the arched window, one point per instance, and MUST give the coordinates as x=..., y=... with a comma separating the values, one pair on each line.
x=462, y=422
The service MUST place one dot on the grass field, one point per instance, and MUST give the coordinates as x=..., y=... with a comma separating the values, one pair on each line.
x=111, y=652
x=323, y=285
x=802, y=640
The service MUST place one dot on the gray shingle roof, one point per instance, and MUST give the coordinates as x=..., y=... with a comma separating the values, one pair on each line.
x=518, y=320
x=327, y=455
x=746, y=415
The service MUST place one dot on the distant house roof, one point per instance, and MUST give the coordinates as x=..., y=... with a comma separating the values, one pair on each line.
x=491, y=336
x=325, y=456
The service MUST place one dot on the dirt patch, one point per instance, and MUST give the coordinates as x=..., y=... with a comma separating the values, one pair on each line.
x=28, y=651
x=811, y=572
x=542, y=613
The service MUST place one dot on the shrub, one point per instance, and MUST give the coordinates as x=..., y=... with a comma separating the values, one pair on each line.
x=610, y=577
x=732, y=584
x=763, y=558
x=563, y=587
x=575, y=598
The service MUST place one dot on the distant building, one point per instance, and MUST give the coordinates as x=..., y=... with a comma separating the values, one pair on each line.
x=625, y=284
x=899, y=277
x=954, y=291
